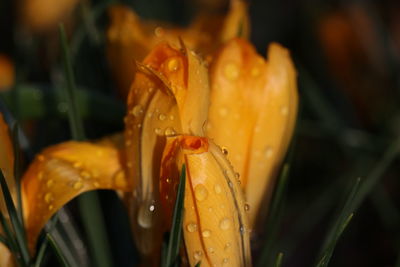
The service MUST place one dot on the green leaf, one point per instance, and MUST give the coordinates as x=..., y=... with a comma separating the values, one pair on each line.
x=73, y=113
x=57, y=251
x=198, y=264
x=8, y=232
x=278, y=261
x=41, y=252
x=274, y=216
x=15, y=222
x=338, y=227
x=177, y=219
x=89, y=204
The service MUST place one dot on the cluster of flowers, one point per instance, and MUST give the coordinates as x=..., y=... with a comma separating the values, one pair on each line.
x=200, y=97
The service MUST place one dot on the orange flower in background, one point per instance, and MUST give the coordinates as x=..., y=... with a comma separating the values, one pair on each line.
x=7, y=73
x=129, y=38
x=44, y=15
x=252, y=114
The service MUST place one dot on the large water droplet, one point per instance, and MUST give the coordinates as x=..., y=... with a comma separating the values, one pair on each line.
x=146, y=215
x=197, y=255
x=206, y=233
x=158, y=131
x=50, y=183
x=225, y=224
x=224, y=150
x=169, y=131
x=159, y=32
x=191, y=227
x=246, y=207
x=173, y=64
x=77, y=185
x=162, y=117
x=200, y=192
x=231, y=71
x=48, y=198
x=137, y=110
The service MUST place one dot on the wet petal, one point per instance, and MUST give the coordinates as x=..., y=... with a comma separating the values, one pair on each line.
x=253, y=111
x=169, y=95
x=214, y=224
x=64, y=171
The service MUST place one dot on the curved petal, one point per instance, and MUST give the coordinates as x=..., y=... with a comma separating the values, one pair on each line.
x=6, y=159
x=64, y=171
x=215, y=224
x=253, y=111
x=169, y=95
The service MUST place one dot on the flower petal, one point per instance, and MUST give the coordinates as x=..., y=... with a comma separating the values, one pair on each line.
x=169, y=95
x=253, y=111
x=6, y=159
x=64, y=171
x=215, y=223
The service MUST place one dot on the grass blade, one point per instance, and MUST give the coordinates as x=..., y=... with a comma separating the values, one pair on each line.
x=177, y=219
x=9, y=234
x=274, y=215
x=74, y=116
x=279, y=259
x=57, y=251
x=40, y=254
x=15, y=222
x=3, y=240
x=89, y=206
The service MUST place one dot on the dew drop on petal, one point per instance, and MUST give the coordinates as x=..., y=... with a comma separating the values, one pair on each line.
x=217, y=189
x=77, y=185
x=231, y=71
x=246, y=207
x=206, y=233
x=191, y=227
x=137, y=110
x=225, y=224
x=224, y=150
x=162, y=117
x=50, y=183
x=173, y=64
x=197, y=255
x=169, y=131
x=48, y=197
x=200, y=192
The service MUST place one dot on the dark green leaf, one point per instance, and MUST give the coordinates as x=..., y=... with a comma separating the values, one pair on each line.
x=15, y=222
x=40, y=254
x=177, y=219
x=279, y=258
x=57, y=251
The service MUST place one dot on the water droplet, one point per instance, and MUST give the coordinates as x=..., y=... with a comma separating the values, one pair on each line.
x=237, y=175
x=217, y=189
x=40, y=175
x=119, y=179
x=225, y=261
x=223, y=112
x=171, y=117
x=206, y=233
x=137, y=110
x=159, y=32
x=211, y=250
x=169, y=131
x=255, y=71
x=173, y=64
x=246, y=207
x=158, y=131
x=225, y=224
x=200, y=192
x=242, y=230
x=197, y=255
x=77, y=185
x=268, y=152
x=168, y=180
x=191, y=227
x=85, y=175
x=227, y=246
x=224, y=150
x=162, y=117
x=284, y=110
x=48, y=198
x=146, y=215
x=50, y=183
x=231, y=71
